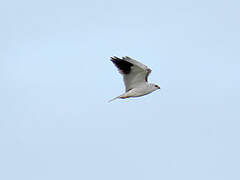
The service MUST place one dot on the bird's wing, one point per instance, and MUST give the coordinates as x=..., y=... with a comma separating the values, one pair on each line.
x=134, y=73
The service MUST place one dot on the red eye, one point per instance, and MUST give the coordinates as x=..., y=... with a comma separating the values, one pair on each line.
x=157, y=86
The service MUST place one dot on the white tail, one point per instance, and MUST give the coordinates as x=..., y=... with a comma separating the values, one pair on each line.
x=122, y=96
x=114, y=98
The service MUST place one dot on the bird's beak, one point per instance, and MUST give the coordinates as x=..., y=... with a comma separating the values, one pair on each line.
x=157, y=86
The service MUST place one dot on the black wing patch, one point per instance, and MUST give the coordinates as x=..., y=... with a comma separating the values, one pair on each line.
x=148, y=72
x=123, y=66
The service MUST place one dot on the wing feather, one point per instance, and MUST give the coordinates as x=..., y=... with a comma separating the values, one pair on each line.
x=134, y=73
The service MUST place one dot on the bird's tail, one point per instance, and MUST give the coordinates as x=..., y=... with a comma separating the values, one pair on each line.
x=114, y=98
x=122, y=96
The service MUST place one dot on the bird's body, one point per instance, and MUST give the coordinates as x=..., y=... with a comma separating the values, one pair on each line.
x=135, y=76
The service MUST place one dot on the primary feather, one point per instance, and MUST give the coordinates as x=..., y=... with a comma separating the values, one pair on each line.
x=134, y=72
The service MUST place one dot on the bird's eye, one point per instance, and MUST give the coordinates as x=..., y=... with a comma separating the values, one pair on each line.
x=156, y=86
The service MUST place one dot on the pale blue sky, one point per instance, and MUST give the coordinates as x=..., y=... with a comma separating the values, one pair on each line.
x=56, y=79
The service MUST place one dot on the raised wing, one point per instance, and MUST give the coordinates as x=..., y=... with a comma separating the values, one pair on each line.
x=134, y=73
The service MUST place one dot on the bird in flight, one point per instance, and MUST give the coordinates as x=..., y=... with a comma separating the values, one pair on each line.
x=135, y=77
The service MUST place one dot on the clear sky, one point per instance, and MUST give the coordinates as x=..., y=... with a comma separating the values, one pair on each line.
x=56, y=79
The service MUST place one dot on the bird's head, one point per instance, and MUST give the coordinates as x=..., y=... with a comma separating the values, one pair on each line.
x=155, y=86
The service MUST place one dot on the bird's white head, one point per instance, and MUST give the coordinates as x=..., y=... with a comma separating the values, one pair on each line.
x=154, y=86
